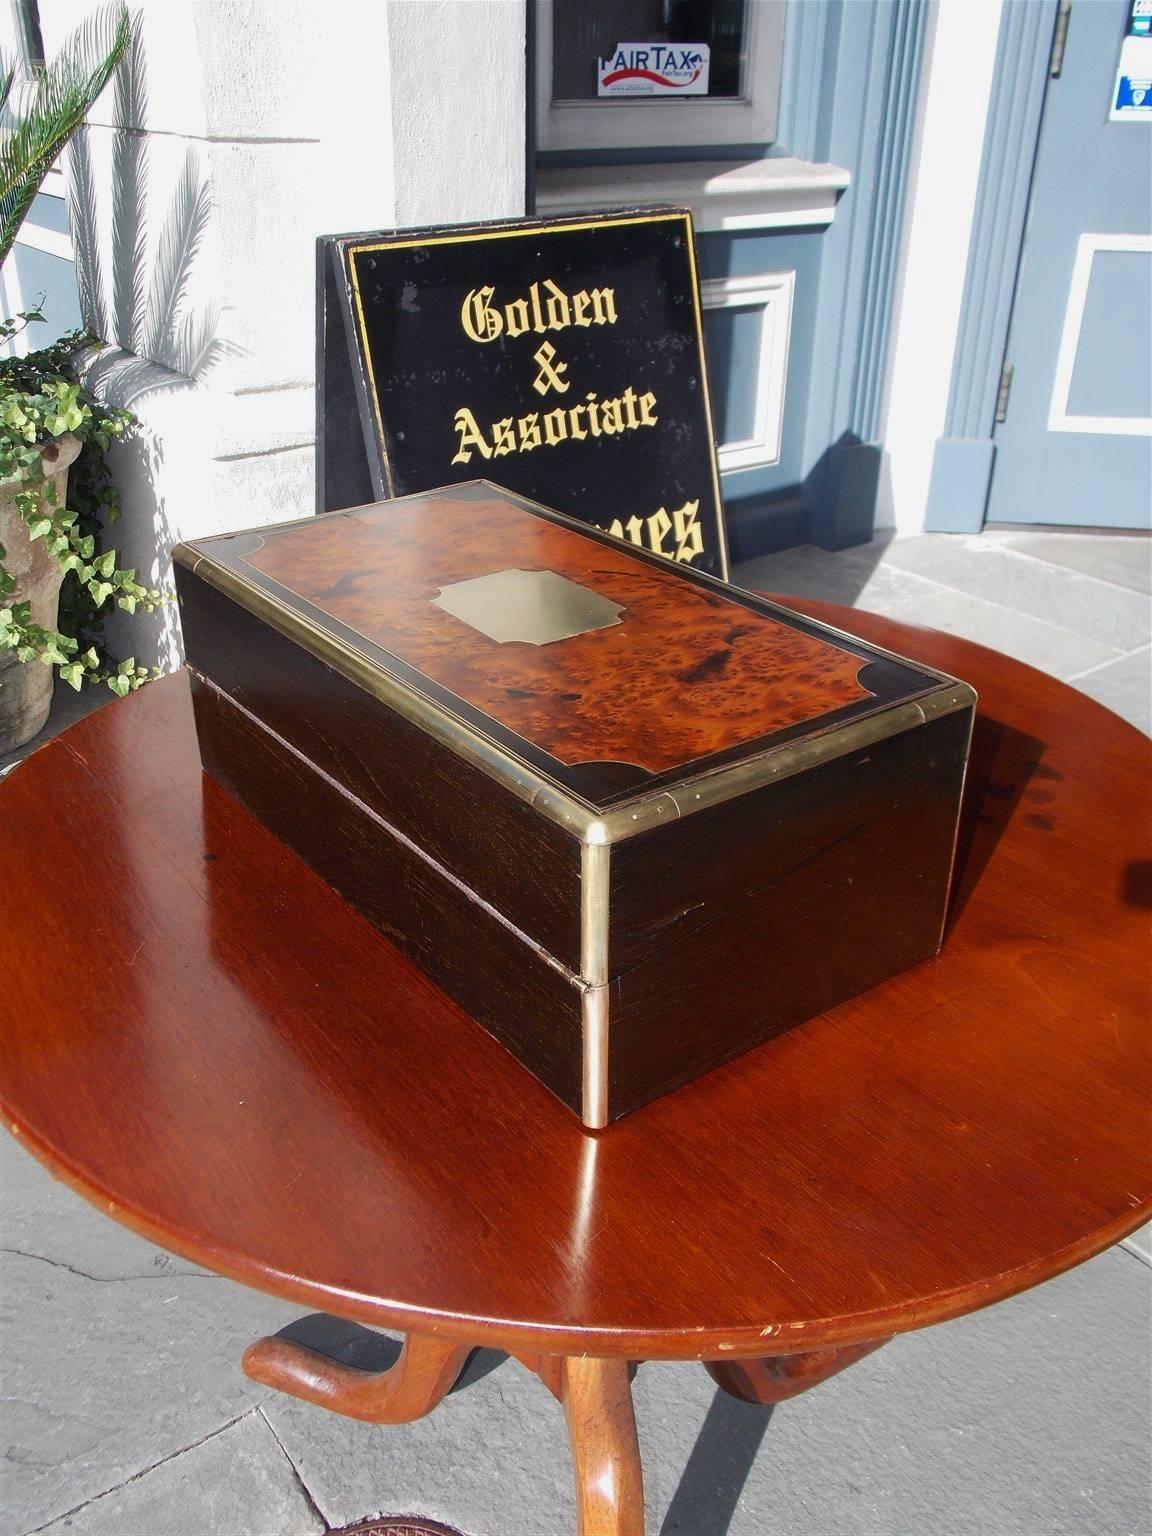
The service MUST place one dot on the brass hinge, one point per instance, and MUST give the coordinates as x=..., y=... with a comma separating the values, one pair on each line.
x=1003, y=392
x=1059, y=39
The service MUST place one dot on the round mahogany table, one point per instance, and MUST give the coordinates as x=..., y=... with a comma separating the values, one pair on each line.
x=203, y=1039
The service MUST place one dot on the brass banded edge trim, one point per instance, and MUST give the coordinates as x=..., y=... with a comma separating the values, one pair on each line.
x=834, y=631
x=548, y=798
x=595, y=864
x=623, y=822
x=186, y=553
x=595, y=868
x=544, y=796
x=594, y=1103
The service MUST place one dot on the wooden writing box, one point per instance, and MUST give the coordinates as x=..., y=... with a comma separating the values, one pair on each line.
x=635, y=821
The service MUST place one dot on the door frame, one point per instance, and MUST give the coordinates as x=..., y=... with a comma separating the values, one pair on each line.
x=962, y=462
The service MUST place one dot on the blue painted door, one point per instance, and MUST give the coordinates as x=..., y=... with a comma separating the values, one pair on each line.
x=1075, y=447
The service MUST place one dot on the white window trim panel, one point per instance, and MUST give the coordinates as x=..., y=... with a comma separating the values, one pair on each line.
x=772, y=293
x=1059, y=418
x=776, y=193
x=642, y=123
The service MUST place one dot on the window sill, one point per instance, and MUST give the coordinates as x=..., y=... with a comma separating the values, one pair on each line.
x=724, y=197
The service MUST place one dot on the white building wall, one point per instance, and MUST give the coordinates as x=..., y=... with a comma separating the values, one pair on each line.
x=253, y=128
x=458, y=109
x=957, y=85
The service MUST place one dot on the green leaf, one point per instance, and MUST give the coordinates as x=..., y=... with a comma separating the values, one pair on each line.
x=37, y=130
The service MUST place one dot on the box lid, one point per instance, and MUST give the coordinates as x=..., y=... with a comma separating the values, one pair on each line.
x=611, y=687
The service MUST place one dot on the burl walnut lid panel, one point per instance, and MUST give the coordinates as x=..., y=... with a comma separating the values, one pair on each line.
x=555, y=655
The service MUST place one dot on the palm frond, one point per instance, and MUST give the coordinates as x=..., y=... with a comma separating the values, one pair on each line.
x=7, y=75
x=65, y=93
x=129, y=205
x=180, y=239
x=195, y=347
x=82, y=212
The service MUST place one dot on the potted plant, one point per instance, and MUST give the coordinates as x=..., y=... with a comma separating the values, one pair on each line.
x=49, y=424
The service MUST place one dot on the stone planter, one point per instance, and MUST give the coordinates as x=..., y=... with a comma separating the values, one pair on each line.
x=26, y=686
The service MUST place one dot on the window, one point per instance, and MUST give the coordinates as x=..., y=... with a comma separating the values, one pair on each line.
x=647, y=74
x=26, y=20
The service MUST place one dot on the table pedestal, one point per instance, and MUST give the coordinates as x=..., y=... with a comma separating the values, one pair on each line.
x=596, y=1395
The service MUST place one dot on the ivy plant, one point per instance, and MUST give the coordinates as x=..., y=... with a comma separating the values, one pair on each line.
x=42, y=401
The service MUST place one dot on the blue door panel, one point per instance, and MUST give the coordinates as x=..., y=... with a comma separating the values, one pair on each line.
x=1071, y=451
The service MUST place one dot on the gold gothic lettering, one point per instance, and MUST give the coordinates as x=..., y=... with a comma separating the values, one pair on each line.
x=651, y=532
x=551, y=372
x=593, y=417
x=545, y=307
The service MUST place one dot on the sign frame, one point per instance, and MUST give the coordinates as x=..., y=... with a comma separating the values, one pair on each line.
x=353, y=461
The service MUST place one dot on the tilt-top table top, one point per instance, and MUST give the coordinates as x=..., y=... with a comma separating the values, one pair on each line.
x=210, y=1045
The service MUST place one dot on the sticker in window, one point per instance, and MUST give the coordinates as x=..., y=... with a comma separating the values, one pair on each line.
x=654, y=69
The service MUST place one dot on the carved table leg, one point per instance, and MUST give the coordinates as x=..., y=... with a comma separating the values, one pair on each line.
x=597, y=1398
x=775, y=1378
x=596, y=1394
x=424, y=1374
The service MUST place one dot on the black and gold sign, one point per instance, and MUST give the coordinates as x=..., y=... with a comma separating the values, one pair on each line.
x=563, y=360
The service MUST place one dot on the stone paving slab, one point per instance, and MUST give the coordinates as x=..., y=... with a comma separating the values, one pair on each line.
x=115, y=1354
x=1125, y=561
x=984, y=566
x=43, y=1217
x=1124, y=686
x=1047, y=646
x=238, y=1482
x=858, y=576
x=1028, y=1418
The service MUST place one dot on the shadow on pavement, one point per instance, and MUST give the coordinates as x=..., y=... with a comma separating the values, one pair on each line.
x=713, y=1479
